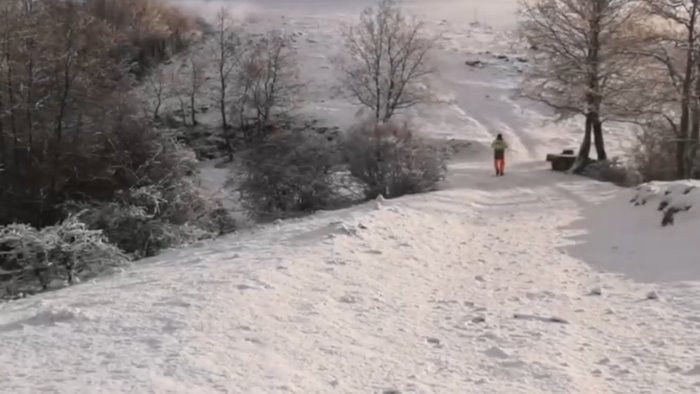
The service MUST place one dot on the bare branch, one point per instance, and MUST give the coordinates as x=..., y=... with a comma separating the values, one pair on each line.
x=387, y=61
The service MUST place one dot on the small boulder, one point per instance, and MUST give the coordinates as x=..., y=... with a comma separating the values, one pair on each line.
x=479, y=319
x=496, y=352
x=596, y=291
x=474, y=63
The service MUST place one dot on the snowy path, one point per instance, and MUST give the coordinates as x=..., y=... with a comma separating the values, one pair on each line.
x=377, y=297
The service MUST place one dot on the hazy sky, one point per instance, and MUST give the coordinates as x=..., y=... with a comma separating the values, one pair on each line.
x=498, y=13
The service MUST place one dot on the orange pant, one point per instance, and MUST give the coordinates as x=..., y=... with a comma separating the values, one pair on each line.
x=500, y=165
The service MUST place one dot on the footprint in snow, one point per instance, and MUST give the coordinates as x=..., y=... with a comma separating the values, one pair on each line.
x=496, y=352
x=348, y=299
x=245, y=287
x=693, y=371
x=434, y=341
x=513, y=364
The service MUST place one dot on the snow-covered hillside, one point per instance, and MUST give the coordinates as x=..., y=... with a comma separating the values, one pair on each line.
x=536, y=282
x=448, y=292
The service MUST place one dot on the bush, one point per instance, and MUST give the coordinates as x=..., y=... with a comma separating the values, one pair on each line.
x=150, y=31
x=654, y=155
x=142, y=221
x=31, y=260
x=83, y=137
x=392, y=161
x=291, y=173
x=613, y=171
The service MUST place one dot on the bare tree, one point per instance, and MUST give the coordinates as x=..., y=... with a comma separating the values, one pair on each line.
x=583, y=58
x=7, y=64
x=156, y=84
x=268, y=83
x=195, y=82
x=69, y=126
x=675, y=49
x=276, y=85
x=227, y=57
x=388, y=58
x=178, y=89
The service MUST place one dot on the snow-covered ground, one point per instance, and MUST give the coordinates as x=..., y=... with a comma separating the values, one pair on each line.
x=536, y=282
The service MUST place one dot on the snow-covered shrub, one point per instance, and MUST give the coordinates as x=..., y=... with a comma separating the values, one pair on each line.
x=124, y=153
x=88, y=135
x=653, y=157
x=391, y=160
x=31, y=260
x=288, y=174
x=672, y=197
x=613, y=171
x=142, y=221
x=150, y=201
x=150, y=30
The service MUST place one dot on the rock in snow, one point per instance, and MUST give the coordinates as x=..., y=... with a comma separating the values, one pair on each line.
x=551, y=319
x=479, y=319
x=652, y=295
x=596, y=291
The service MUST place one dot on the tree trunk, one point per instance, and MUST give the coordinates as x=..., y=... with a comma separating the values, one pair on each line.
x=159, y=101
x=379, y=51
x=3, y=161
x=226, y=129
x=598, y=137
x=584, y=150
x=30, y=101
x=594, y=97
x=11, y=110
x=681, y=142
x=58, y=134
x=61, y=118
x=692, y=163
x=222, y=108
x=193, y=115
x=682, y=137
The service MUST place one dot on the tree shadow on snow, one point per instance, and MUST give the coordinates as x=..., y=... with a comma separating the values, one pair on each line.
x=614, y=236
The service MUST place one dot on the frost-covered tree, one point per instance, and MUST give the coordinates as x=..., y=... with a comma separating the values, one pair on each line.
x=584, y=57
x=267, y=84
x=156, y=89
x=195, y=81
x=227, y=58
x=674, y=47
x=387, y=59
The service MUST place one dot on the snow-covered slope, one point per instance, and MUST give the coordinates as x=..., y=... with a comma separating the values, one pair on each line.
x=418, y=294
x=535, y=282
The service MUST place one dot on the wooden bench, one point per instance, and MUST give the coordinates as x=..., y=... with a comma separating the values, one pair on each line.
x=562, y=161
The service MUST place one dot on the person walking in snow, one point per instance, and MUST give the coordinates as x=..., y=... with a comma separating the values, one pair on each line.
x=499, y=147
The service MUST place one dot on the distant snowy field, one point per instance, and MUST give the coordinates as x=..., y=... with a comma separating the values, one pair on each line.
x=536, y=282
x=497, y=13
